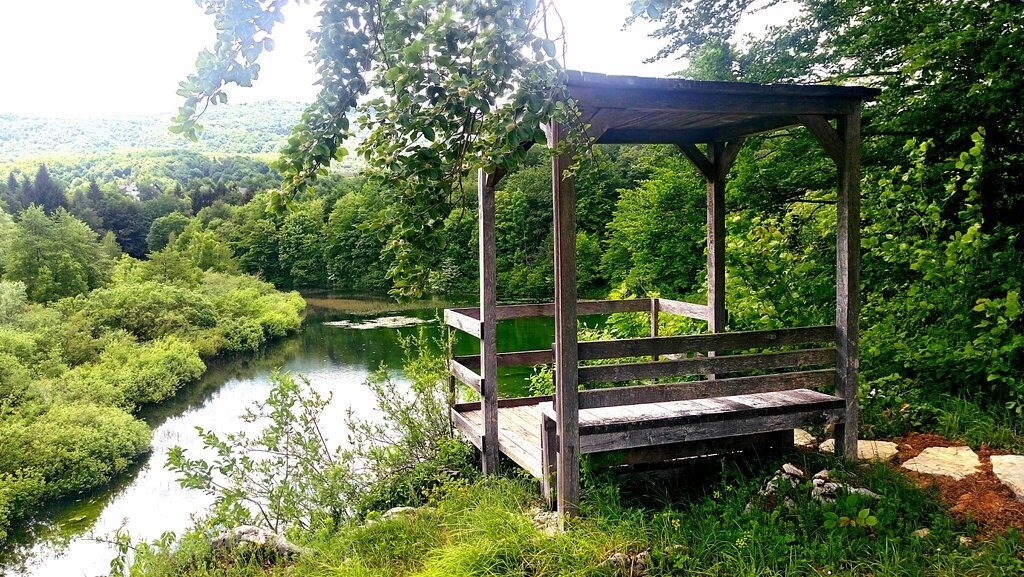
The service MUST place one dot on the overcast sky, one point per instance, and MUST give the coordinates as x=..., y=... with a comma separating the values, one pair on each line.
x=73, y=58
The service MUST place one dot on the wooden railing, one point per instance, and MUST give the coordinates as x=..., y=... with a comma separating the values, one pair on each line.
x=466, y=368
x=724, y=360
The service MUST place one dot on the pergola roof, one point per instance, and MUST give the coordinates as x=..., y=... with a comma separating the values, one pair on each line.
x=632, y=109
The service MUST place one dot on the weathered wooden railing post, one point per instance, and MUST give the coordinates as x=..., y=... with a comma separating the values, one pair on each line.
x=655, y=309
x=848, y=281
x=843, y=145
x=714, y=166
x=566, y=354
x=488, y=323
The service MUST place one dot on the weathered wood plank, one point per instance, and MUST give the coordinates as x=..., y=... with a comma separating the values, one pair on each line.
x=702, y=389
x=655, y=320
x=690, y=310
x=704, y=447
x=827, y=136
x=512, y=359
x=508, y=402
x=465, y=375
x=471, y=312
x=679, y=101
x=848, y=283
x=643, y=437
x=648, y=346
x=563, y=194
x=488, y=321
x=716, y=239
x=468, y=429
x=548, y=458
x=587, y=307
x=462, y=322
x=709, y=365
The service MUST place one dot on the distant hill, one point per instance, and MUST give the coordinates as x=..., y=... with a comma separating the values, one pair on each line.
x=254, y=128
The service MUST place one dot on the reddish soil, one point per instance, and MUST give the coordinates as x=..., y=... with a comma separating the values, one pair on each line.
x=980, y=498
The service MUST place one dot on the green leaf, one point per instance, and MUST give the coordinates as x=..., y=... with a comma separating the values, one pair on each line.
x=1012, y=304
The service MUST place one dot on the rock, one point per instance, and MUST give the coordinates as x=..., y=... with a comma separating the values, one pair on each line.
x=545, y=521
x=825, y=491
x=802, y=438
x=955, y=462
x=256, y=539
x=629, y=565
x=396, y=512
x=866, y=450
x=966, y=541
x=792, y=471
x=1010, y=470
x=922, y=533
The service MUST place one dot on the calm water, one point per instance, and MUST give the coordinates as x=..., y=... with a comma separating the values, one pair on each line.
x=68, y=538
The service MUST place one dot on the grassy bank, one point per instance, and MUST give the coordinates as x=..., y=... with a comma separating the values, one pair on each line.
x=716, y=527
x=708, y=518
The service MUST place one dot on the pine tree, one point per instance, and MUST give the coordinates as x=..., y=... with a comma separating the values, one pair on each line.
x=47, y=193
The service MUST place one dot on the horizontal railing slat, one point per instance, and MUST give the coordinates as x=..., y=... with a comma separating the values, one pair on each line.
x=465, y=375
x=703, y=389
x=513, y=359
x=706, y=365
x=463, y=322
x=691, y=310
x=649, y=346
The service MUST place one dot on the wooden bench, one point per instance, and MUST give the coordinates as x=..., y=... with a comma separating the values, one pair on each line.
x=750, y=417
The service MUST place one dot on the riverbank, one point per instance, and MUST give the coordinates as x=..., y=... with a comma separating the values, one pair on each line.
x=77, y=373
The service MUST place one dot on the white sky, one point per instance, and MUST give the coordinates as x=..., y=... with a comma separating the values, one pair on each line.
x=74, y=58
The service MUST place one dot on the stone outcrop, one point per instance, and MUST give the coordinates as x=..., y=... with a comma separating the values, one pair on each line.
x=1009, y=469
x=255, y=540
x=955, y=462
x=866, y=450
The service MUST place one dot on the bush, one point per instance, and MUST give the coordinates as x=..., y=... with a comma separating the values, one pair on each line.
x=72, y=448
x=285, y=476
x=19, y=493
x=147, y=310
x=129, y=374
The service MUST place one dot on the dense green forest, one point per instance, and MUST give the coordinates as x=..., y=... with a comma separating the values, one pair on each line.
x=255, y=128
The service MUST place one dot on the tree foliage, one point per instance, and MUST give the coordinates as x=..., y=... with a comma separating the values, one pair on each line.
x=462, y=85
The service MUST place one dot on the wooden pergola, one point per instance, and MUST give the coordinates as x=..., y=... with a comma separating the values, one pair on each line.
x=742, y=399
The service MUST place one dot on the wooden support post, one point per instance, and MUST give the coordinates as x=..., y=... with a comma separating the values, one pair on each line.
x=488, y=324
x=848, y=282
x=548, y=456
x=716, y=239
x=655, y=309
x=566, y=394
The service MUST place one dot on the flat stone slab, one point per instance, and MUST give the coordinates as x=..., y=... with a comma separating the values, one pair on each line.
x=1010, y=470
x=955, y=462
x=866, y=450
x=802, y=438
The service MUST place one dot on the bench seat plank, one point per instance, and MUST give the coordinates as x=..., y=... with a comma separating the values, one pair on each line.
x=631, y=426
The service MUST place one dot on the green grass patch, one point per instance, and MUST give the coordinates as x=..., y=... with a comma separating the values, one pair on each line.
x=706, y=520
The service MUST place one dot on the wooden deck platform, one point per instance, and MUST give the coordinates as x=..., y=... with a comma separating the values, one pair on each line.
x=646, y=425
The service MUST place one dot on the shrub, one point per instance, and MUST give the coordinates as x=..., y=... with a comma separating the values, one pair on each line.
x=147, y=310
x=72, y=447
x=19, y=493
x=129, y=374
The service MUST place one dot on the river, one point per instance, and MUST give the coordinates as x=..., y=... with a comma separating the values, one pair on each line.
x=334, y=349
